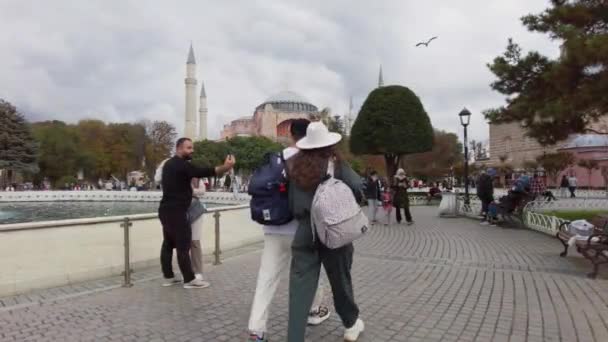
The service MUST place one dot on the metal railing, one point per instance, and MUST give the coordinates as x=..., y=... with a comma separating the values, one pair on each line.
x=126, y=223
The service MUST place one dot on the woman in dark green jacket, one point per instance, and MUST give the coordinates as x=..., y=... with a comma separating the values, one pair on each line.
x=318, y=157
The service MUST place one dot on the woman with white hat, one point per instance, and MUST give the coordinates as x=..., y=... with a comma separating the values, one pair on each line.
x=402, y=200
x=317, y=158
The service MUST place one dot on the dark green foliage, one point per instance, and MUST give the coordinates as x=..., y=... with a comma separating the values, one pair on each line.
x=555, y=98
x=18, y=149
x=249, y=152
x=392, y=122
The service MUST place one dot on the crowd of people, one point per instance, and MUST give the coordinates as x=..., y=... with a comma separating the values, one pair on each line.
x=312, y=158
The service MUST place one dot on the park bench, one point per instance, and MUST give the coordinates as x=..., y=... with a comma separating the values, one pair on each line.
x=594, y=248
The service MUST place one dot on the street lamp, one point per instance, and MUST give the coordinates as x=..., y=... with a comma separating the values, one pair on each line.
x=465, y=118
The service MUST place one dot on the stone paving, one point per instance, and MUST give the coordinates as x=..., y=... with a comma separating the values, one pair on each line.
x=439, y=280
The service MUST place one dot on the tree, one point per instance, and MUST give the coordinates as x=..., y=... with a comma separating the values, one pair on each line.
x=479, y=152
x=336, y=124
x=504, y=169
x=553, y=98
x=161, y=136
x=590, y=165
x=250, y=151
x=435, y=164
x=18, y=149
x=530, y=165
x=93, y=141
x=555, y=163
x=125, y=145
x=392, y=122
x=60, y=151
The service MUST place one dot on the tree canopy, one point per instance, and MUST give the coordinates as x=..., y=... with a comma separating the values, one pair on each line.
x=100, y=149
x=435, y=164
x=553, y=98
x=392, y=122
x=249, y=152
x=554, y=163
x=60, y=151
x=18, y=150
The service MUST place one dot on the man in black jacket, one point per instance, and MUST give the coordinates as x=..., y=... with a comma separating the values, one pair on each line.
x=485, y=191
x=177, y=195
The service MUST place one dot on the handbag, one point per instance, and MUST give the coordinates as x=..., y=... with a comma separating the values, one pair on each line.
x=197, y=209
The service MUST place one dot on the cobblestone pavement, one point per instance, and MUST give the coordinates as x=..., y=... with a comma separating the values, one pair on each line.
x=439, y=280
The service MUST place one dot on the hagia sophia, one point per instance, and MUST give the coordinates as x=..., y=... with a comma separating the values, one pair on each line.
x=272, y=117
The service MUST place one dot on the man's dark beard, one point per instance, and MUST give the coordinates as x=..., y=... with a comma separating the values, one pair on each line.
x=188, y=157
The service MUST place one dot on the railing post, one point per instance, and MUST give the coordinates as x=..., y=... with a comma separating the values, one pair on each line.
x=217, y=251
x=127, y=247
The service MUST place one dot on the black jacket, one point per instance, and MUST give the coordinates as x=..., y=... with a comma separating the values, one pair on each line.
x=485, y=186
x=372, y=189
x=176, y=182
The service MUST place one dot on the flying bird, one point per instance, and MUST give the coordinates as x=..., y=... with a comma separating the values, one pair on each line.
x=426, y=44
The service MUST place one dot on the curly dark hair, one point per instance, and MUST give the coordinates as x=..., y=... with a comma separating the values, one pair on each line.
x=309, y=167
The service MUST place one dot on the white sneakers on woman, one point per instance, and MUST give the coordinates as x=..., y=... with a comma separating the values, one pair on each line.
x=352, y=334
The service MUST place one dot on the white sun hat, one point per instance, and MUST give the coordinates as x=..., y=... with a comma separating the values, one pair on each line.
x=318, y=136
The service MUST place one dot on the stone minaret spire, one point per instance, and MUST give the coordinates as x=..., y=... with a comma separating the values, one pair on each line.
x=190, y=81
x=380, y=78
x=202, y=114
x=349, y=117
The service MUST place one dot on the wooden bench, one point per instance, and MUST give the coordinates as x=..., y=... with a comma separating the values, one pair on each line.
x=594, y=248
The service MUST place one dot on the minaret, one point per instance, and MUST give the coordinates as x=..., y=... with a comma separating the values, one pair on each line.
x=349, y=117
x=202, y=114
x=380, y=78
x=190, y=80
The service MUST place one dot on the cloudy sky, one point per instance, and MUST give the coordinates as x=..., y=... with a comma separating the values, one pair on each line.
x=125, y=60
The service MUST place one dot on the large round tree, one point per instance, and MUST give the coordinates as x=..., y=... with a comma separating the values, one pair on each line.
x=392, y=122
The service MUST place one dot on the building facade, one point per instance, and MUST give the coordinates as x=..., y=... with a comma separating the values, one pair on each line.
x=510, y=146
x=272, y=118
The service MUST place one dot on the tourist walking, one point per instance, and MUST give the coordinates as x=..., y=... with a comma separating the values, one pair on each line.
x=401, y=198
x=317, y=158
x=564, y=185
x=372, y=193
x=177, y=175
x=485, y=192
x=276, y=258
x=572, y=184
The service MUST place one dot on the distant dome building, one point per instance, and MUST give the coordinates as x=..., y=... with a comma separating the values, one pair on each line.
x=585, y=142
x=272, y=117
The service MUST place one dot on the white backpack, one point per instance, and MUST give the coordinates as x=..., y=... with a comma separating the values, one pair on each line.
x=335, y=216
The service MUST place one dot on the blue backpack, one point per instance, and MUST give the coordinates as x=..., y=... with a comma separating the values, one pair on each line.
x=268, y=188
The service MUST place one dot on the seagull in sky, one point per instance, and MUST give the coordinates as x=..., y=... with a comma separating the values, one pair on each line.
x=426, y=44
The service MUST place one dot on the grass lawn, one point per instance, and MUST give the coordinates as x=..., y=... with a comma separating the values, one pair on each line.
x=572, y=215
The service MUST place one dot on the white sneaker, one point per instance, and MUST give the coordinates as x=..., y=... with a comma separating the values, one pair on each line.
x=198, y=276
x=196, y=284
x=171, y=281
x=485, y=223
x=318, y=316
x=352, y=334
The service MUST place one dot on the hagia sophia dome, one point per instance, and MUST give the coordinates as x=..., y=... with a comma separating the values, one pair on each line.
x=289, y=101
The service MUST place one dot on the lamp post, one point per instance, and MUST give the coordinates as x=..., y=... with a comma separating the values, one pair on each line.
x=465, y=117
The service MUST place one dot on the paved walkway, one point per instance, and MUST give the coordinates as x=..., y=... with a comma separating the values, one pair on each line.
x=439, y=280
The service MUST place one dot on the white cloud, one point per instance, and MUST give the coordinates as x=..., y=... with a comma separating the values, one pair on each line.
x=124, y=60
